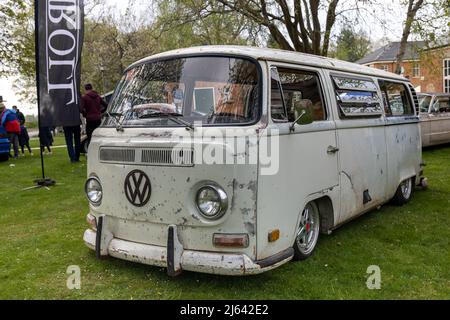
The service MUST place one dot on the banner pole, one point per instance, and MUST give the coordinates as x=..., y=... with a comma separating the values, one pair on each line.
x=36, y=46
x=40, y=182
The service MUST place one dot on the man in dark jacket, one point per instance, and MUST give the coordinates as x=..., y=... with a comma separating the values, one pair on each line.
x=92, y=108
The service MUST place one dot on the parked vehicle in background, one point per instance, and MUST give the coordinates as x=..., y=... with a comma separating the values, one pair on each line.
x=344, y=139
x=434, y=118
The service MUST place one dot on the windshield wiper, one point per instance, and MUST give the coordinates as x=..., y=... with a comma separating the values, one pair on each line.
x=172, y=116
x=116, y=116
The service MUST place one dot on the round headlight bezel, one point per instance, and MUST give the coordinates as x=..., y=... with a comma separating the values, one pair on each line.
x=222, y=199
x=97, y=180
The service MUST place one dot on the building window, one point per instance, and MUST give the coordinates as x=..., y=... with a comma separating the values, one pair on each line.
x=384, y=67
x=446, y=74
x=416, y=70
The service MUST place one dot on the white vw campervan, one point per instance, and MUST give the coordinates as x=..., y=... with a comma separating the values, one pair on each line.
x=232, y=160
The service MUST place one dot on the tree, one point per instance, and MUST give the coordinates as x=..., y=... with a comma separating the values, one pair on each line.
x=101, y=61
x=412, y=8
x=351, y=46
x=17, y=49
x=304, y=31
x=432, y=23
x=183, y=23
x=12, y=14
x=108, y=49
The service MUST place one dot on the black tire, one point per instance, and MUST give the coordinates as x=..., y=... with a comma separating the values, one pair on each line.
x=4, y=157
x=307, y=232
x=404, y=192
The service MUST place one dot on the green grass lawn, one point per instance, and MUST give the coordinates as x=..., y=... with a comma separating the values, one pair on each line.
x=58, y=141
x=41, y=235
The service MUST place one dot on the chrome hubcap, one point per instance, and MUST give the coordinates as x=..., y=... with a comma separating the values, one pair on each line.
x=406, y=188
x=308, y=230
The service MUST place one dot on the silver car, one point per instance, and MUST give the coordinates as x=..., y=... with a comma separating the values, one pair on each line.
x=434, y=118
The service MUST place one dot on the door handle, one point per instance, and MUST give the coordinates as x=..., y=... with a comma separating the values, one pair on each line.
x=332, y=149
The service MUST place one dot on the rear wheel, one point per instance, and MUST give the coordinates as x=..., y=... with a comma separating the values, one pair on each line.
x=4, y=157
x=307, y=232
x=404, y=192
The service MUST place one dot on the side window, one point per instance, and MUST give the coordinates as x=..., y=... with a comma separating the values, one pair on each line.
x=441, y=105
x=396, y=99
x=298, y=89
x=424, y=103
x=356, y=97
x=277, y=109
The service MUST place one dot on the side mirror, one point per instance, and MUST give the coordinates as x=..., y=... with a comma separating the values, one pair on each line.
x=303, y=112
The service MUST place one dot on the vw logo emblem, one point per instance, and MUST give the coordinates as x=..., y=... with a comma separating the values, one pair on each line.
x=137, y=188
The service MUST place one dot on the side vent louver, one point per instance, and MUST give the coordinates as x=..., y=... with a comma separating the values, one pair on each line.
x=416, y=100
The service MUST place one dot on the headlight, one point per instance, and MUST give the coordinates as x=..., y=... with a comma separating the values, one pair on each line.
x=93, y=189
x=212, y=201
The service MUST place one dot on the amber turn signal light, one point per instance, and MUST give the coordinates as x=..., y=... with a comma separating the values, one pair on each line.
x=274, y=235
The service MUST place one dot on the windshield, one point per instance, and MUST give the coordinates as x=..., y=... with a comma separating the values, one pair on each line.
x=424, y=103
x=210, y=90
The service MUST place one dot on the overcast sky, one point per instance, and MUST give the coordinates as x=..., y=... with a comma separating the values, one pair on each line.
x=390, y=10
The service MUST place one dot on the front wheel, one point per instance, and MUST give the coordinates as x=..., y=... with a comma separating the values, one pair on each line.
x=307, y=232
x=404, y=192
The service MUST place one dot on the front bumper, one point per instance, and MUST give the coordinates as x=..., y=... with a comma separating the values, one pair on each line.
x=180, y=259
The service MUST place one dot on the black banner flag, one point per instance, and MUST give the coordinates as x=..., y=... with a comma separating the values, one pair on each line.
x=59, y=25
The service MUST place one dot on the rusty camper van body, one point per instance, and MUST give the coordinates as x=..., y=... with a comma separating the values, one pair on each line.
x=344, y=140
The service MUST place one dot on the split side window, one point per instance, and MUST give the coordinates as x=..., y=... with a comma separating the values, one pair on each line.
x=396, y=99
x=277, y=109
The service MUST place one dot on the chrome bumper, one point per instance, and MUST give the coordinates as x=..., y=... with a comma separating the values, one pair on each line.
x=180, y=259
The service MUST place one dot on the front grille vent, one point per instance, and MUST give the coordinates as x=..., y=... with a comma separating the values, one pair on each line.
x=179, y=157
x=117, y=155
x=168, y=156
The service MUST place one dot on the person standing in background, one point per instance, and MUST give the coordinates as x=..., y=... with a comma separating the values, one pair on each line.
x=45, y=139
x=72, y=135
x=19, y=115
x=4, y=141
x=24, y=138
x=92, y=108
x=11, y=125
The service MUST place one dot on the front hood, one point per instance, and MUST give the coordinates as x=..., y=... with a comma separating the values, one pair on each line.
x=173, y=185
